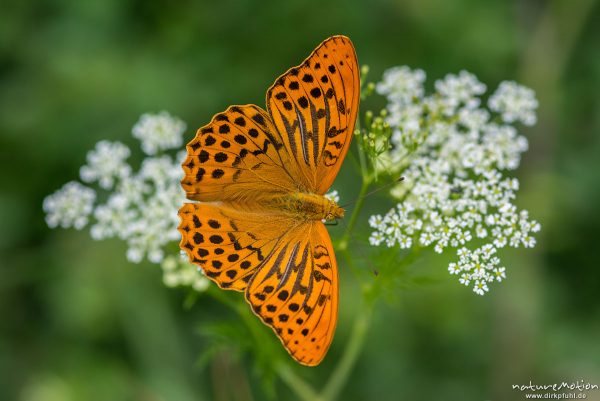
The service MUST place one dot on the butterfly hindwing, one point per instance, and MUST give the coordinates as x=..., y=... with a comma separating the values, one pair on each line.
x=295, y=291
x=228, y=243
x=314, y=107
x=287, y=269
x=240, y=146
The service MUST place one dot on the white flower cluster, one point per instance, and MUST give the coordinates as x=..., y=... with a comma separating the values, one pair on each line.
x=106, y=163
x=453, y=156
x=401, y=84
x=70, y=206
x=177, y=271
x=479, y=266
x=141, y=208
x=159, y=132
x=515, y=102
x=460, y=89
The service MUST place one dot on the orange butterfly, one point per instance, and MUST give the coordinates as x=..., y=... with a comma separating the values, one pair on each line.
x=260, y=177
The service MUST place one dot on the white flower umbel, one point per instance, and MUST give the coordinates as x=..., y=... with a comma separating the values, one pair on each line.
x=106, y=163
x=143, y=210
x=159, y=132
x=141, y=207
x=478, y=267
x=459, y=90
x=401, y=84
x=515, y=103
x=456, y=193
x=70, y=206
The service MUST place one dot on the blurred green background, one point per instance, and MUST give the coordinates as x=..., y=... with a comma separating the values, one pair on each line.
x=77, y=322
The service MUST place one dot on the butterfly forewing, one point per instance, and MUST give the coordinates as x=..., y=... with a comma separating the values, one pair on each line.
x=240, y=146
x=314, y=107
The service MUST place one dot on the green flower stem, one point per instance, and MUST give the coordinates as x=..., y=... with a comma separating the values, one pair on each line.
x=366, y=182
x=303, y=390
x=342, y=371
x=343, y=244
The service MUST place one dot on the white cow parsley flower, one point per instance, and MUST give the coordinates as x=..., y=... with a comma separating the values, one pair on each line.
x=106, y=163
x=461, y=89
x=70, y=206
x=453, y=158
x=159, y=132
x=401, y=84
x=141, y=208
x=479, y=266
x=515, y=103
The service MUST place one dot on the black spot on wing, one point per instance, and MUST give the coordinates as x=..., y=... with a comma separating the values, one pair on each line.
x=210, y=140
x=221, y=157
x=259, y=119
x=303, y=102
x=307, y=78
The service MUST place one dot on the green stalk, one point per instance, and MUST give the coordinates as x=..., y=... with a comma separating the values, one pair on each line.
x=343, y=244
x=342, y=371
x=302, y=389
x=366, y=182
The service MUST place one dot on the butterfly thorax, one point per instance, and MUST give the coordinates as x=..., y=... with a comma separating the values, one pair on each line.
x=309, y=206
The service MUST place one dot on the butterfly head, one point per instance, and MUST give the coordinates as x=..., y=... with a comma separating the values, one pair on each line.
x=333, y=211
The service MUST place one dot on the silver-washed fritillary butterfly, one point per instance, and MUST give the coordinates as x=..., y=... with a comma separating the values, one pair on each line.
x=260, y=177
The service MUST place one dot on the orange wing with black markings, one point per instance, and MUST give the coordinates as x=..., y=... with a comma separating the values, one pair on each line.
x=314, y=107
x=229, y=243
x=239, y=146
x=295, y=292
x=259, y=177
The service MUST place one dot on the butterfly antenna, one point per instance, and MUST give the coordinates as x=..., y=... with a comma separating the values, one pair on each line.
x=389, y=184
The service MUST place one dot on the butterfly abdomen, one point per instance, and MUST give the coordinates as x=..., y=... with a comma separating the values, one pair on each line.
x=307, y=206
